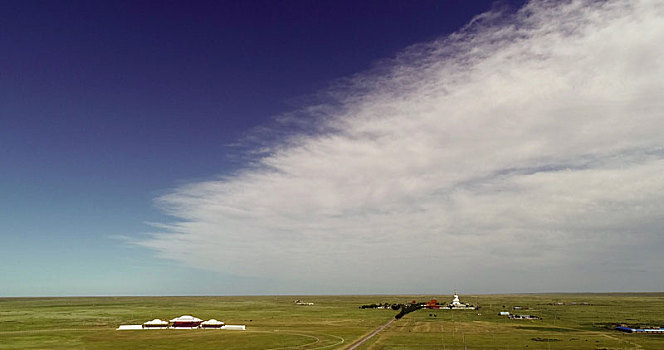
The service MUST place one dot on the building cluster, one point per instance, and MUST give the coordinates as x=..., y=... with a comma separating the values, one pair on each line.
x=183, y=322
x=628, y=329
x=519, y=317
x=456, y=304
x=523, y=317
x=560, y=303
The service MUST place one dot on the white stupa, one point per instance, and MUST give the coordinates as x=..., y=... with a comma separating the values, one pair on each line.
x=455, y=301
x=456, y=304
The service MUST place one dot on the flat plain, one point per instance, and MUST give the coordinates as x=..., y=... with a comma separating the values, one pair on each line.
x=568, y=321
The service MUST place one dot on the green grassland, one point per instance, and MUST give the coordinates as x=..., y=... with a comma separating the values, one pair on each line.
x=334, y=322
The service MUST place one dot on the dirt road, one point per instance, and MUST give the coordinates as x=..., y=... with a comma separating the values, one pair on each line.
x=361, y=341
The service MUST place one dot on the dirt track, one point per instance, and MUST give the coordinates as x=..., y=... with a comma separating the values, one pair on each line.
x=361, y=341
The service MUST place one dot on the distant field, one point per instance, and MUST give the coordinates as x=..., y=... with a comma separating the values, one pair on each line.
x=334, y=322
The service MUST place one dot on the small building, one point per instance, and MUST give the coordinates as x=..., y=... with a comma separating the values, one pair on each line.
x=235, y=327
x=640, y=330
x=186, y=321
x=212, y=324
x=130, y=327
x=156, y=323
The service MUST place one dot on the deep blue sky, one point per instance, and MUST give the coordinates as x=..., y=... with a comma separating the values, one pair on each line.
x=105, y=105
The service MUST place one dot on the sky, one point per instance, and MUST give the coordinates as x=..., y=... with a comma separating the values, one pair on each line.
x=331, y=147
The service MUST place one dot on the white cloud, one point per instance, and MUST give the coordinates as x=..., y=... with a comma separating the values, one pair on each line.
x=517, y=148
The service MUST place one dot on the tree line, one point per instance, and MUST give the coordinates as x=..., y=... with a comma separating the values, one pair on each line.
x=404, y=308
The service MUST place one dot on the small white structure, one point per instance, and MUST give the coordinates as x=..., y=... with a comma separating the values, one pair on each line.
x=234, y=327
x=504, y=313
x=212, y=324
x=130, y=327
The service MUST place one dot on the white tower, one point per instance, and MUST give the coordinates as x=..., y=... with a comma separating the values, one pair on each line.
x=455, y=301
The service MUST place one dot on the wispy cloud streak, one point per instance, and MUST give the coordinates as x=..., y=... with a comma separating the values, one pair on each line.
x=522, y=146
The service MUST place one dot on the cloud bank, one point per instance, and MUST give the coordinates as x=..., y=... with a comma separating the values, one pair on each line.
x=523, y=153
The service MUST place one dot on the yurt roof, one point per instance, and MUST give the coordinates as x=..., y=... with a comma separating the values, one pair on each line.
x=213, y=321
x=156, y=321
x=186, y=318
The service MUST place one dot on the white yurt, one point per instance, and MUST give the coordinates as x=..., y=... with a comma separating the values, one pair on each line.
x=186, y=321
x=212, y=324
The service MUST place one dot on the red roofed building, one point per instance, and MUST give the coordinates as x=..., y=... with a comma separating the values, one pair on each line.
x=432, y=304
